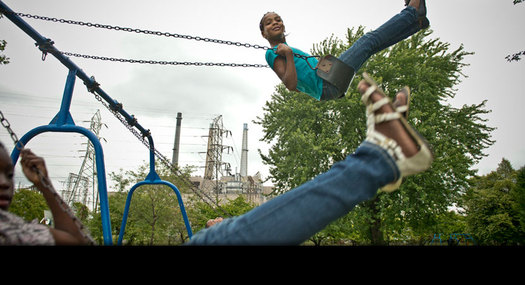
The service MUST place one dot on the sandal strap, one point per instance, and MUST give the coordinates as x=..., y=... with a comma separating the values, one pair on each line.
x=377, y=105
x=366, y=96
x=402, y=109
x=372, y=108
x=390, y=145
x=387, y=117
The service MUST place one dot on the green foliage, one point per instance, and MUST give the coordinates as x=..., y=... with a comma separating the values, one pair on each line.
x=494, y=207
x=154, y=217
x=308, y=136
x=28, y=204
x=201, y=212
x=3, y=59
x=516, y=56
x=519, y=197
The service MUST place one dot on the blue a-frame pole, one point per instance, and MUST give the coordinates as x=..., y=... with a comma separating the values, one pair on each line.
x=63, y=122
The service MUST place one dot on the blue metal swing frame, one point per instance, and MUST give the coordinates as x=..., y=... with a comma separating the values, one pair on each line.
x=152, y=179
x=63, y=122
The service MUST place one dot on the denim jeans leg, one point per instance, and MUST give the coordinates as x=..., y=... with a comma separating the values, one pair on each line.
x=295, y=216
x=398, y=28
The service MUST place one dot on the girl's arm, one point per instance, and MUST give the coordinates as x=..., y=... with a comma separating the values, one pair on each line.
x=284, y=67
x=67, y=229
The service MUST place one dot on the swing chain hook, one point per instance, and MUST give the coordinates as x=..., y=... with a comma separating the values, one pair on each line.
x=45, y=47
x=93, y=85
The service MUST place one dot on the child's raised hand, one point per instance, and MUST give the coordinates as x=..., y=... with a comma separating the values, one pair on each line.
x=33, y=166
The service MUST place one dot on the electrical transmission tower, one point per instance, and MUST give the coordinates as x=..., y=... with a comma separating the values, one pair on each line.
x=215, y=167
x=78, y=185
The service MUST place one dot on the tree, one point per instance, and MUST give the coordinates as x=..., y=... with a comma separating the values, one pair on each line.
x=308, y=136
x=28, y=204
x=201, y=212
x=3, y=59
x=516, y=56
x=154, y=217
x=519, y=197
x=493, y=207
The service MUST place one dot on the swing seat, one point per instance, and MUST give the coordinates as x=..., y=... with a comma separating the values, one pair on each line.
x=336, y=72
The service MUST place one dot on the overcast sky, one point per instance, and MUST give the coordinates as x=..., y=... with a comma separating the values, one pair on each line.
x=31, y=89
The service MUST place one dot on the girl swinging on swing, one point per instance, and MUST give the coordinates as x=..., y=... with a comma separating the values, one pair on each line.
x=297, y=74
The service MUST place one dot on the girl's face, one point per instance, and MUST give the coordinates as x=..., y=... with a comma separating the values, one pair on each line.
x=6, y=179
x=273, y=27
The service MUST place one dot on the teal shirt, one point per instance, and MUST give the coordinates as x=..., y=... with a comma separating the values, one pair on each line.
x=307, y=80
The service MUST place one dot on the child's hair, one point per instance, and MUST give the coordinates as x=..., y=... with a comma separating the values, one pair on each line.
x=261, y=24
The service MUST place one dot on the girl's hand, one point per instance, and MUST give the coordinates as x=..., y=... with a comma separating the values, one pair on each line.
x=30, y=163
x=283, y=50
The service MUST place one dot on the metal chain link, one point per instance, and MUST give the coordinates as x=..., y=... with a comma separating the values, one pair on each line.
x=155, y=33
x=47, y=184
x=141, y=31
x=165, y=34
x=7, y=126
x=186, y=63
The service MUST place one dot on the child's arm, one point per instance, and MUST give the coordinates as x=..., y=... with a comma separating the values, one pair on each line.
x=284, y=67
x=67, y=230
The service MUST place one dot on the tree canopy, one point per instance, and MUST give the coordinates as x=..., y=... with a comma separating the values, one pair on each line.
x=308, y=136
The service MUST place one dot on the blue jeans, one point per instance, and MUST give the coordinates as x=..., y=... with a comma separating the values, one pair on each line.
x=295, y=216
x=398, y=28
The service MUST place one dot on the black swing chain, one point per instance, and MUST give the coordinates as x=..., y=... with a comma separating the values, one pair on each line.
x=186, y=63
x=141, y=31
x=149, y=32
x=158, y=33
x=47, y=184
x=5, y=123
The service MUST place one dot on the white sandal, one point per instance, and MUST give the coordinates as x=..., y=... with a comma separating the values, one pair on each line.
x=417, y=163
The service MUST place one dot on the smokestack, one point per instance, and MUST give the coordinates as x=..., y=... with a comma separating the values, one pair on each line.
x=175, y=159
x=244, y=153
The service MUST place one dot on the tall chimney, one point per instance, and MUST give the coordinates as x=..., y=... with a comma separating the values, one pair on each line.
x=175, y=159
x=244, y=153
